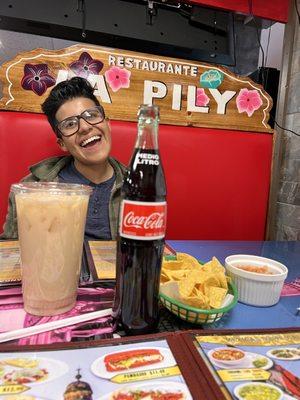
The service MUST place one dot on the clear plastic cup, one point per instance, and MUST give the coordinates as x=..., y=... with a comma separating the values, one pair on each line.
x=51, y=221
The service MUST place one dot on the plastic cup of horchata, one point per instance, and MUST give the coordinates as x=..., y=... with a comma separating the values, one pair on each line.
x=51, y=220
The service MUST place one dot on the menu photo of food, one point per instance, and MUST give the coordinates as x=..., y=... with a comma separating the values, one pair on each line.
x=135, y=370
x=229, y=358
x=252, y=367
x=285, y=353
x=151, y=391
x=258, y=390
x=23, y=397
x=30, y=371
x=10, y=269
x=132, y=360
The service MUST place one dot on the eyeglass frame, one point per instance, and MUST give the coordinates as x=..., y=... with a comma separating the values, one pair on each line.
x=78, y=117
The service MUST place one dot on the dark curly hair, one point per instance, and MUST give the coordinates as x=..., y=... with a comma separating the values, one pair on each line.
x=64, y=91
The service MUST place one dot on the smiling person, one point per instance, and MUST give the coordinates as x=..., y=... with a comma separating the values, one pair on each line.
x=83, y=132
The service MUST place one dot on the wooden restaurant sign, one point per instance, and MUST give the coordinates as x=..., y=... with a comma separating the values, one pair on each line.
x=188, y=93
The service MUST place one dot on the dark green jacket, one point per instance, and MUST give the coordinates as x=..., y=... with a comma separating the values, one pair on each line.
x=47, y=171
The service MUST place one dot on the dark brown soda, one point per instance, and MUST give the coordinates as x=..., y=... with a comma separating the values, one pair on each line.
x=139, y=261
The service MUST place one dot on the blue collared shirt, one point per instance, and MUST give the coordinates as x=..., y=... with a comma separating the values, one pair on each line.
x=97, y=222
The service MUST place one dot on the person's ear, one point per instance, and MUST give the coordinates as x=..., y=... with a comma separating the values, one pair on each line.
x=61, y=144
x=108, y=122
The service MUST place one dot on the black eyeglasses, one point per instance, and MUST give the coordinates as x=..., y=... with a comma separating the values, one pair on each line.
x=70, y=125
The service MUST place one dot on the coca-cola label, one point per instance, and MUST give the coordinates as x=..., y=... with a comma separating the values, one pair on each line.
x=143, y=220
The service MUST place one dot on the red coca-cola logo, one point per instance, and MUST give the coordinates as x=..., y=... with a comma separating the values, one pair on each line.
x=155, y=220
x=141, y=220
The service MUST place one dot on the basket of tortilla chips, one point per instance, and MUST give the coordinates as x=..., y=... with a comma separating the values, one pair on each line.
x=195, y=292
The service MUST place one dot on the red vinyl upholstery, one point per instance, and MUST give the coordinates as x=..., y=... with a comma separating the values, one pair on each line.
x=217, y=180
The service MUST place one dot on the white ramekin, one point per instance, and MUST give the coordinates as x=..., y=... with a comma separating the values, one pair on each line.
x=254, y=288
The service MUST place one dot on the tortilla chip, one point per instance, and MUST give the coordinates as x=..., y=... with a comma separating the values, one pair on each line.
x=189, y=261
x=186, y=287
x=173, y=265
x=164, y=278
x=217, y=266
x=213, y=266
x=175, y=275
x=200, y=286
x=222, y=279
x=216, y=296
x=200, y=301
x=211, y=280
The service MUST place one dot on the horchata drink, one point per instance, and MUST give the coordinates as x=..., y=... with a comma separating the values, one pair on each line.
x=51, y=222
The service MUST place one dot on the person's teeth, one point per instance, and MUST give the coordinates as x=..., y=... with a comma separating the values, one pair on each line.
x=85, y=142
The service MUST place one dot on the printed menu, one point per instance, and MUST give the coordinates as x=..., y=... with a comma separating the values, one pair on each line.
x=252, y=365
x=10, y=270
x=138, y=370
x=101, y=259
x=10, y=264
x=184, y=365
x=98, y=262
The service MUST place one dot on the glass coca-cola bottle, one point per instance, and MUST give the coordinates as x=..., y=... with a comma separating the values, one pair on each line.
x=142, y=228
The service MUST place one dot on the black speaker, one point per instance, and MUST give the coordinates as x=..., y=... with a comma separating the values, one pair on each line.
x=269, y=78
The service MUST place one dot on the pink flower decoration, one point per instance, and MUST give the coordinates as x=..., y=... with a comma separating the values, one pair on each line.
x=118, y=78
x=248, y=101
x=201, y=98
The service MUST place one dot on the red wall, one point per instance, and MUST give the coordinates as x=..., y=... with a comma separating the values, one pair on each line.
x=217, y=180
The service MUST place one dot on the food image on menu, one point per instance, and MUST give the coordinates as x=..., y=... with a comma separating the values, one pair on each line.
x=21, y=362
x=148, y=394
x=151, y=391
x=260, y=362
x=288, y=353
x=21, y=397
x=30, y=370
x=228, y=354
x=132, y=359
x=25, y=375
x=232, y=358
x=257, y=390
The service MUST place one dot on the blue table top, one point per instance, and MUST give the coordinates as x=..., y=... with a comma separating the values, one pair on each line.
x=242, y=316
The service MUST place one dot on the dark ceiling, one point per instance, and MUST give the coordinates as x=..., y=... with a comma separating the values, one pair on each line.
x=169, y=28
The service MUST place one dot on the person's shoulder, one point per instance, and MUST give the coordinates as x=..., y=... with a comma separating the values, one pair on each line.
x=51, y=161
x=118, y=165
x=50, y=165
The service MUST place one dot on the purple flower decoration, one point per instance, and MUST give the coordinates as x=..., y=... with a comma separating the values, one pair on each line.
x=86, y=65
x=37, y=78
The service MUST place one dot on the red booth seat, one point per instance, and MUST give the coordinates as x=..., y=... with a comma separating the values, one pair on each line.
x=217, y=180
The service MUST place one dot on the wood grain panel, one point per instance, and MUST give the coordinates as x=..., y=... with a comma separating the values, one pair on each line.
x=170, y=75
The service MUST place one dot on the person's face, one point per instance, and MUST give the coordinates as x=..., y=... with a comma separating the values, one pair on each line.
x=92, y=143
